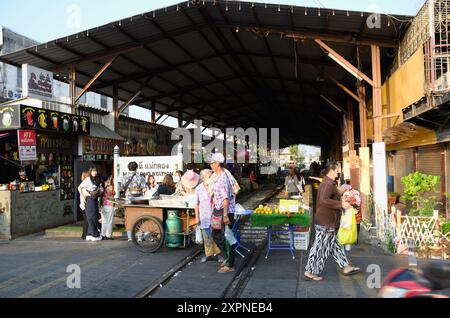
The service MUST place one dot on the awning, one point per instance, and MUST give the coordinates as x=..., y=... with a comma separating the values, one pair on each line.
x=408, y=135
x=101, y=131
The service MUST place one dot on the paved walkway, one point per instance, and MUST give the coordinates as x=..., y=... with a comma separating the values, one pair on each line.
x=280, y=276
x=36, y=267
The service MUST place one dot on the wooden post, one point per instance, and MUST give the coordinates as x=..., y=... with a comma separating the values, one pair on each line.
x=350, y=125
x=153, y=112
x=377, y=107
x=362, y=114
x=180, y=119
x=379, y=148
x=72, y=85
x=116, y=108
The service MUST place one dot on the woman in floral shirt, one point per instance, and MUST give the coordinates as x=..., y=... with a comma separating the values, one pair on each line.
x=353, y=197
x=107, y=209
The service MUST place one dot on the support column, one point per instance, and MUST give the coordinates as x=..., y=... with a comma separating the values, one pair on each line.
x=180, y=119
x=116, y=171
x=153, y=112
x=379, y=148
x=364, y=153
x=350, y=124
x=116, y=108
x=72, y=86
x=362, y=114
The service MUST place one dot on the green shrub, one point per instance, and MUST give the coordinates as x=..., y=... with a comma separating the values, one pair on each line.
x=391, y=244
x=445, y=228
x=417, y=187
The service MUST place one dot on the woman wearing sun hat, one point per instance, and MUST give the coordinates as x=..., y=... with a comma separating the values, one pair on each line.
x=189, y=181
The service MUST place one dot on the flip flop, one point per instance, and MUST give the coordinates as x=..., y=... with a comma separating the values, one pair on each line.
x=354, y=271
x=313, y=279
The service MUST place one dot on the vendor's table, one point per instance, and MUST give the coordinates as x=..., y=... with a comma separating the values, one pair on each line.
x=269, y=220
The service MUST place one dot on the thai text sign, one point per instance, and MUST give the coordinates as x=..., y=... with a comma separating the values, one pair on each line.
x=27, y=145
x=157, y=166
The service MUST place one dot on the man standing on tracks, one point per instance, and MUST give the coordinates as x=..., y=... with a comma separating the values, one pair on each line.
x=224, y=202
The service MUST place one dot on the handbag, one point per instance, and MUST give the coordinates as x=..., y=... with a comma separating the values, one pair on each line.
x=217, y=220
x=348, y=232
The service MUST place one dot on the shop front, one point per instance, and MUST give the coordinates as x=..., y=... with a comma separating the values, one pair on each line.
x=97, y=151
x=38, y=147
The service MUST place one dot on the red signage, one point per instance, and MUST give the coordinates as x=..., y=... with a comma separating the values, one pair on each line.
x=27, y=145
x=27, y=137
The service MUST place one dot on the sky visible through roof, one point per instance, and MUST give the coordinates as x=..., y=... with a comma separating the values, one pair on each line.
x=46, y=20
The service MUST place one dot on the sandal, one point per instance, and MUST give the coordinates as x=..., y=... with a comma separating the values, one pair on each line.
x=225, y=270
x=353, y=271
x=312, y=277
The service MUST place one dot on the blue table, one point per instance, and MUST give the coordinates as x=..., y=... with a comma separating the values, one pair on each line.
x=289, y=247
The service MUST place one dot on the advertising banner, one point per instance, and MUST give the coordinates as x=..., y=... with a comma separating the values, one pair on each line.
x=27, y=145
x=36, y=82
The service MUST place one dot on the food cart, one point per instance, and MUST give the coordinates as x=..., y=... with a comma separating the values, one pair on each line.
x=157, y=222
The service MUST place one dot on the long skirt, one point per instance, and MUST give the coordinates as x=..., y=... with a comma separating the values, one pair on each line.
x=92, y=216
x=211, y=249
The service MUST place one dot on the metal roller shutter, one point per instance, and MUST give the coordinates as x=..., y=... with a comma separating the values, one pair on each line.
x=430, y=160
x=403, y=165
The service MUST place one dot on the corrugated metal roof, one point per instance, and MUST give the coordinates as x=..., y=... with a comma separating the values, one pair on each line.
x=101, y=131
x=197, y=59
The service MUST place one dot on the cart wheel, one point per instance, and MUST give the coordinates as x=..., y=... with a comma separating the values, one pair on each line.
x=148, y=234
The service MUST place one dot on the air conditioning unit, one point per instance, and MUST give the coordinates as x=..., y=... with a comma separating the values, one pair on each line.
x=442, y=83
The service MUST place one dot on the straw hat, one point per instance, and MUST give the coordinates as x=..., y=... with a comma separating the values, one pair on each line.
x=190, y=179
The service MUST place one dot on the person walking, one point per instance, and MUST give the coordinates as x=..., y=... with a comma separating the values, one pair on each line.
x=92, y=191
x=107, y=208
x=82, y=204
x=353, y=197
x=203, y=212
x=292, y=184
x=223, y=210
x=327, y=223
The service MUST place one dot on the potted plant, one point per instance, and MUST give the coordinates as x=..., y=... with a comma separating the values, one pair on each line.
x=417, y=189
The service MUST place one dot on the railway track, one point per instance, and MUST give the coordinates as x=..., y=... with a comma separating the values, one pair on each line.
x=241, y=277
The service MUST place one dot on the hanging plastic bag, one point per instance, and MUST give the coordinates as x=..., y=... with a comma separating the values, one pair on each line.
x=230, y=236
x=239, y=209
x=348, y=232
x=198, y=236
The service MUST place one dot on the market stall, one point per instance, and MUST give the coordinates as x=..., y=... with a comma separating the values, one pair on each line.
x=292, y=214
x=37, y=152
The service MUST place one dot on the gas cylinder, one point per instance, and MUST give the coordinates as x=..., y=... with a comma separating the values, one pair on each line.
x=173, y=226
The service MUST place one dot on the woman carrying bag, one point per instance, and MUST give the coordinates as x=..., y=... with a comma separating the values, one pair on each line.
x=327, y=222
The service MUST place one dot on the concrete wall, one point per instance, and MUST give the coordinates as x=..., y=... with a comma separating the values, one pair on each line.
x=28, y=213
x=400, y=90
